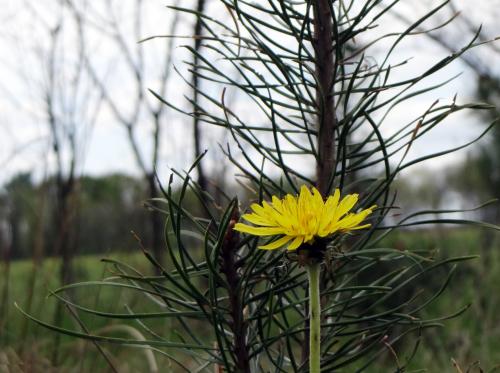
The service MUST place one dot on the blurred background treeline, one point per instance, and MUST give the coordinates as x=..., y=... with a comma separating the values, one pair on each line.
x=104, y=207
x=82, y=141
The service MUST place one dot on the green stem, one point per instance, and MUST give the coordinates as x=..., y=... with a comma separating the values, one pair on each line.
x=313, y=271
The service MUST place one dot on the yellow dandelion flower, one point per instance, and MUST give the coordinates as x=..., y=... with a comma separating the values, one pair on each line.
x=300, y=219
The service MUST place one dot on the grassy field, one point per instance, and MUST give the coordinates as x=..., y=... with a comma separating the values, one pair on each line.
x=29, y=347
x=472, y=339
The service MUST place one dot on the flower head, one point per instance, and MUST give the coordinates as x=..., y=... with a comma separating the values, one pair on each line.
x=300, y=219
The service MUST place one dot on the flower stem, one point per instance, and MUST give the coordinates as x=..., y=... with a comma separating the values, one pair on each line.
x=313, y=270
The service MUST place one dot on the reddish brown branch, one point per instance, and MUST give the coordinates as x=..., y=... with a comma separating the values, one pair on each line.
x=230, y=267
x=325, y=106
x=324, y=68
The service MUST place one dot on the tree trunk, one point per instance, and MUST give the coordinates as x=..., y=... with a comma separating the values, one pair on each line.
x=202, y=179
x=64, y=247
x=65, y=244
x=156, y=221
x=4, y=300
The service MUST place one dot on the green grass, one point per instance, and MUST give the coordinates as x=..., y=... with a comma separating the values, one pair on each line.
x=474, y=336
x=23, y=340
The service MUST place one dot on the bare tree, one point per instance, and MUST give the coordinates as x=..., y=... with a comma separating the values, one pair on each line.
x=71, y=111
x=485, y=179
x=474, y=22
x=455, y=25
x=66, y=105
x=132, y=54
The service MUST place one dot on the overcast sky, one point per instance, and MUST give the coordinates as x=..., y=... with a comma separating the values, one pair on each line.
x=24, y=143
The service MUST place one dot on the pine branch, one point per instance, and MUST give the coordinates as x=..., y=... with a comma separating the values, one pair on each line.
x=230, y=267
